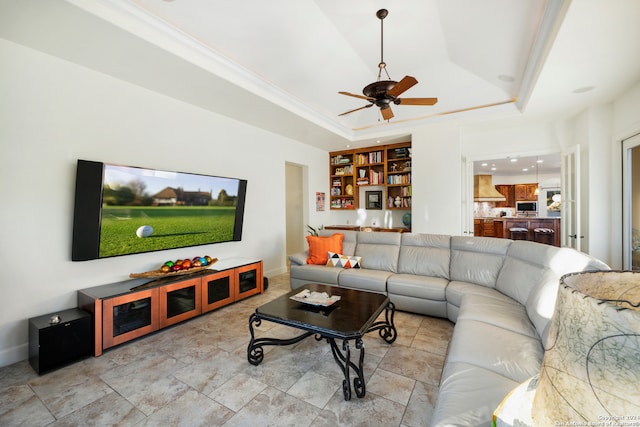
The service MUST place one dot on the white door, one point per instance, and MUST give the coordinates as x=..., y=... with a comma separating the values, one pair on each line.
x=631, y=203
x=570, y=227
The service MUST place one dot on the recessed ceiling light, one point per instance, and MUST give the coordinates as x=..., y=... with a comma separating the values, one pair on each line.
x=485, y=164
x=584, y=89
x=539, y=161
x=525, y=169
x=513, y=160
x=493, y=168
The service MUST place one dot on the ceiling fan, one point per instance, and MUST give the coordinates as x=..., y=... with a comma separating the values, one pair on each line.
x=382, y=93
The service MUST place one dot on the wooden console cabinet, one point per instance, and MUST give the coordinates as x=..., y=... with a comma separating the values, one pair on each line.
x=126, y=310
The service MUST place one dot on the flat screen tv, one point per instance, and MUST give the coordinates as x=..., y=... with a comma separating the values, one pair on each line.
x=122, y=210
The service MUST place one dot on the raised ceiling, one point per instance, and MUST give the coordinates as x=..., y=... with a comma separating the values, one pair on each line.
x=280, y=64
x=519, y=165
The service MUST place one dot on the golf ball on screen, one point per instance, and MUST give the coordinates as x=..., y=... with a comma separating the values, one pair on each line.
x=144, y=231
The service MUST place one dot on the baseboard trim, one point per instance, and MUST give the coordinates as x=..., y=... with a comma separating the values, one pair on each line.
x=14, y=354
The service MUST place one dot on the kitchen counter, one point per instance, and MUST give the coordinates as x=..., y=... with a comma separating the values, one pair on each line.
x=499, y=227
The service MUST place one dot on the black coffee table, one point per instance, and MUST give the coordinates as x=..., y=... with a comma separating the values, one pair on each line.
x=346, y=320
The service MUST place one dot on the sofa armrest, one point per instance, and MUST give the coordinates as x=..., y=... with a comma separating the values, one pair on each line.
x=299, y=258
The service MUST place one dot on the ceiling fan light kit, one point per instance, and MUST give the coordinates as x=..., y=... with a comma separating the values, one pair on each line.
x=382, y=93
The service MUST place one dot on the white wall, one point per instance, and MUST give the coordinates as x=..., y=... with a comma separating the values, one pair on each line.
x=436, y=180
x=53, y=113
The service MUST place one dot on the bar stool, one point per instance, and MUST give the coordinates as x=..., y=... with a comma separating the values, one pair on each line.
x=543, y=235
x=519, y=233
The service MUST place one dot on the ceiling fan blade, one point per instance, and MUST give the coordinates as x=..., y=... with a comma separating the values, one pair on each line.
x=406, y=83
x=353, y=111
x=366, y=98
x=387, y=113
x=416, y=101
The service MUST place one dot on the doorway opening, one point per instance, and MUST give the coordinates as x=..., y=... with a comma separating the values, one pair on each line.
x=296, y=212
x=631, y=203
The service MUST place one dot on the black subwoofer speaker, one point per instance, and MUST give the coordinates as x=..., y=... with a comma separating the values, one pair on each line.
x=58, y=339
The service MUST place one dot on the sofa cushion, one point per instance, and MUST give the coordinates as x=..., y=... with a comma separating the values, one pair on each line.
x=506, y=314
x=425, y=287
x=456, y=291
x=507, y=353
x=311, y=273
x=531, y=274
x=363, y=279
x=425, y=255
x=379, y=251
x=320, y=246
x=468, y=395
x=477, y=259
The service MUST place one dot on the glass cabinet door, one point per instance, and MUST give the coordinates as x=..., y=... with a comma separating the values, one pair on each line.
x=129, y=316
x=179, y=301
x=249, y=280
x=218, y=290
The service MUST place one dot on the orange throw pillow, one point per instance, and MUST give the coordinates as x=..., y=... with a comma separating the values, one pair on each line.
x=319, y=248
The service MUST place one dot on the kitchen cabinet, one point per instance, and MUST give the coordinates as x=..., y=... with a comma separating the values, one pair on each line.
x=508, y=191
x=483, y=227
x=487, y=228
x=525, y=192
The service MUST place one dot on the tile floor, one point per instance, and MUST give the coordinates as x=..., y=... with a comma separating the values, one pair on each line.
x=197, y=374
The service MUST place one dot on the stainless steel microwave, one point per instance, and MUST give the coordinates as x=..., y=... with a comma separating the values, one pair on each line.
x=526, y=206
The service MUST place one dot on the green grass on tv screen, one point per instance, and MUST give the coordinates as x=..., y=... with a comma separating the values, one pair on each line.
x=173, y=227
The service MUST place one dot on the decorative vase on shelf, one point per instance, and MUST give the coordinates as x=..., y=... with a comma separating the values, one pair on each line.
x=398, y=202
x=406, y=219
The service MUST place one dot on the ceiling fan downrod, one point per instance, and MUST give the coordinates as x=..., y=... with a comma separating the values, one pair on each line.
x=381, y=14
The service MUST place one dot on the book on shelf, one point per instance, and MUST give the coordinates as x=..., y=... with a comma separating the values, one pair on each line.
x=376, y=177
x=399, y=179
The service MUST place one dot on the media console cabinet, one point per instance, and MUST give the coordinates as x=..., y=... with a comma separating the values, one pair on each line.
x=123, y=311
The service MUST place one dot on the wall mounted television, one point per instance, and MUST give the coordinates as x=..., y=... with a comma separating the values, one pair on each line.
x=123, y=210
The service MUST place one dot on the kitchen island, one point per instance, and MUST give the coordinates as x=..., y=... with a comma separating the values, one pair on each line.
x=504, y=224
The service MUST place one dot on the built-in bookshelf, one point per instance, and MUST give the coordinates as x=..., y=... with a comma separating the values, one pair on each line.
x=399, y=177
x=387, y=166
x=343, y=191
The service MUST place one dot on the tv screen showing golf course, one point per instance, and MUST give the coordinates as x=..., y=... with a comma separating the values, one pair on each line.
x=122, y=210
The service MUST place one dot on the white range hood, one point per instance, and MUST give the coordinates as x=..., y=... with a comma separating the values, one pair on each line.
x=484, y=191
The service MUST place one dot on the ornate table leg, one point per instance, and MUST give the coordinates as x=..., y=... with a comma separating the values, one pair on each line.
x=345, y=364
x=358, y=382
x=255, y=354
x=386, y=329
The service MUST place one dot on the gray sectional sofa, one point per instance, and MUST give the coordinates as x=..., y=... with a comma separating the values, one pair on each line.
x=500, y=294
